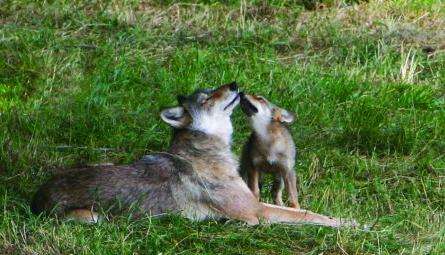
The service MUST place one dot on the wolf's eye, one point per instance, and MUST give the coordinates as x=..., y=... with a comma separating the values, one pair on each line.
x=203, y=98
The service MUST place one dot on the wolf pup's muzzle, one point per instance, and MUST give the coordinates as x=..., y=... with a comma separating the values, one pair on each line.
x=248, y=108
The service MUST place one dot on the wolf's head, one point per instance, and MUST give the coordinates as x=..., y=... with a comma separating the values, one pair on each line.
x=206, y=110
x=262, y=113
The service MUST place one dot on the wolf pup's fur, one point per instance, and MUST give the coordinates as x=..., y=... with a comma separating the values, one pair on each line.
x=197, y=178
x=270, y=148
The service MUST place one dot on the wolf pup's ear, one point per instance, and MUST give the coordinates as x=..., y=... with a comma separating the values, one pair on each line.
x=174, y=116
x=284, y=116
x=287, y=116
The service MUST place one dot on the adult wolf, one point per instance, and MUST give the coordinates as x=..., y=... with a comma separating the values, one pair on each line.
x=197, y=178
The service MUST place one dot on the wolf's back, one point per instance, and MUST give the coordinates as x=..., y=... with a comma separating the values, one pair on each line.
x=149, y=183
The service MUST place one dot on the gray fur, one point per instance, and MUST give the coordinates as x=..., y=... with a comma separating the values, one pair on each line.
x=191, y=179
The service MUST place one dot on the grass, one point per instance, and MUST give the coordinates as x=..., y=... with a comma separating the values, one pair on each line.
x=84, y=82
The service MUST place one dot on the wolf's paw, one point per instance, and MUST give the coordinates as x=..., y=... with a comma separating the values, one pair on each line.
x=348, y=223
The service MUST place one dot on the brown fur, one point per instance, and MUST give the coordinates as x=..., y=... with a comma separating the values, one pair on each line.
x=270, y=149
x=196, y=178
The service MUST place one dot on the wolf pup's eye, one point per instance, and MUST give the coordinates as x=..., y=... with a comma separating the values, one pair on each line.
x=260, y=99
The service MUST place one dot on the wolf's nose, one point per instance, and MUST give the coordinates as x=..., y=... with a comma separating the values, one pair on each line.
x=233, y=86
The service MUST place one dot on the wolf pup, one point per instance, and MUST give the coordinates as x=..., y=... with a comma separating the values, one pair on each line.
x=270, y=148
x=197, y=178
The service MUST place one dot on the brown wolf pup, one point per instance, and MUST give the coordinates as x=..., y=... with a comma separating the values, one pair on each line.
x=197, y=178
x=270, y=148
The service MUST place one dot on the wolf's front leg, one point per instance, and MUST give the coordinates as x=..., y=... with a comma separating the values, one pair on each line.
x=236, y=201
x=238, y=209
x=278, y=214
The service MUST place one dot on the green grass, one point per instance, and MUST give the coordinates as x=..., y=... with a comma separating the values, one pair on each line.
x=84, y=83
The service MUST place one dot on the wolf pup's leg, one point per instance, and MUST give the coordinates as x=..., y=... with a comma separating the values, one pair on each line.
x=277, y=189
x=290, y=181
x=253, y=176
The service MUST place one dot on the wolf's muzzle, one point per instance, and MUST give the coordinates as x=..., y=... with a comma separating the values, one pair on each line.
x=233, y=86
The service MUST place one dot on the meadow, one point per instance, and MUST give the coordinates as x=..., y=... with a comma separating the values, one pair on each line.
x=83, y=82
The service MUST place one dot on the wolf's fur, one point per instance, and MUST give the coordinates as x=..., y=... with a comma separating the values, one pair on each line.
x=197, y=178
x=270, y=148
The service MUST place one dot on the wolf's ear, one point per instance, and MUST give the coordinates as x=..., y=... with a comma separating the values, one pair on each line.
x=174, y=116
x=284, y=116
x=181, y=99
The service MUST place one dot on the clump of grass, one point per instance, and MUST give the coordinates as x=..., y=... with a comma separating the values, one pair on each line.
x=321, y=4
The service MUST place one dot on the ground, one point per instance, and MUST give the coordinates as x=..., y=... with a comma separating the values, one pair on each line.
x=83, y=83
